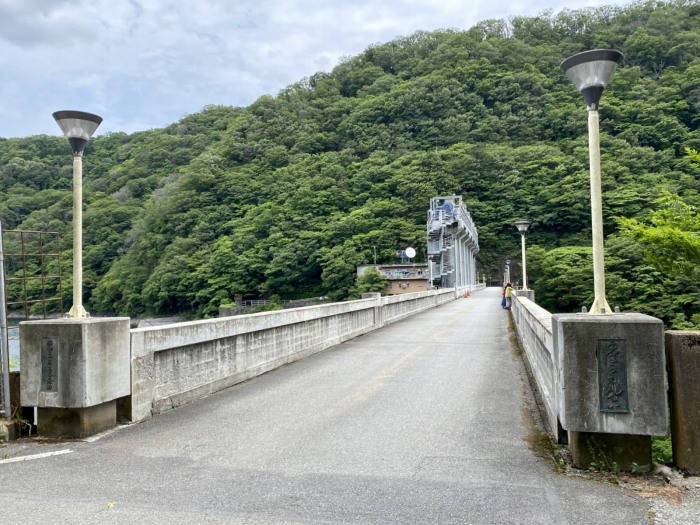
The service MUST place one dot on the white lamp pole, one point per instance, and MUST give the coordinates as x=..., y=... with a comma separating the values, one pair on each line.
x=78, y=127
x=522, y=227
x=590, y=72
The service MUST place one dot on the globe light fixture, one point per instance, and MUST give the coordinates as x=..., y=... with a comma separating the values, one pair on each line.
x=522, y=227
x=78, y=127
x=590, y=73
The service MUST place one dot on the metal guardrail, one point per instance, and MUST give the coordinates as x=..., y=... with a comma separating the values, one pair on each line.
x=294, y=303
x=30, y=279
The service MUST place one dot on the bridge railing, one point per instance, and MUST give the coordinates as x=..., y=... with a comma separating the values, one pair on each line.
x=174, y=364
x=462, y=290
x=534, y=325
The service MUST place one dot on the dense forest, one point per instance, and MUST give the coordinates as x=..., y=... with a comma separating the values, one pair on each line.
x=285, y=198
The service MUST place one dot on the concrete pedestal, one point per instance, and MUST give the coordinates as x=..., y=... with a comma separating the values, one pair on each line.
x=74, y=370
x=77, y=422
x=604, y=449
x=611, y=380
x=529, y=294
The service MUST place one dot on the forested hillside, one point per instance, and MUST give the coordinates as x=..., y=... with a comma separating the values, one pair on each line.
x=287, y=196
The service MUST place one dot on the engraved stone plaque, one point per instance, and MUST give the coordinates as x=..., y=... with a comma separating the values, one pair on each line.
x=612, y=375
x=49, y=364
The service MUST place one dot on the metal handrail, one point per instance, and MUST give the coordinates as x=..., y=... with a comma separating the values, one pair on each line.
x=26, y=252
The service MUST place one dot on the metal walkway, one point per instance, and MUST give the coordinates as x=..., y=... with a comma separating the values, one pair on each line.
x=391, y=427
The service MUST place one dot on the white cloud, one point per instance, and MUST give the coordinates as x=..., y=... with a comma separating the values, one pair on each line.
x=145, y=63
x=40, y=23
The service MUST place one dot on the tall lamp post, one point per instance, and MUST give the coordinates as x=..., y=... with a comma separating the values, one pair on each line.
x=522, y=227
x=590, y=72
x=507, y=271
x=78, y=127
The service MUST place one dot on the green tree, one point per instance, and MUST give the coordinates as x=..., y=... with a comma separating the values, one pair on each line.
x=286, y=197
x=370, y=281
x=670, y=236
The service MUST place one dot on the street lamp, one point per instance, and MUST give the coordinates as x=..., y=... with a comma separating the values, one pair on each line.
x=78, y=127
x=522, y=227
x=507, y=271
x=590, y=72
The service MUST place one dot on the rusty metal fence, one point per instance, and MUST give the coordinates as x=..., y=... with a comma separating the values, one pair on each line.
x=30, y=286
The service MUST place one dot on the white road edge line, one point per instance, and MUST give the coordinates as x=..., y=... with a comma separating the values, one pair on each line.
x=35, y=456
x=90, y=439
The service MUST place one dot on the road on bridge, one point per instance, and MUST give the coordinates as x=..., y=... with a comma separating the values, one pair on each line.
x=425, y=421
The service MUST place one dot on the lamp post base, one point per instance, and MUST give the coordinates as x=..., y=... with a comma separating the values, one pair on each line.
x=600, y=307
x=77, y=311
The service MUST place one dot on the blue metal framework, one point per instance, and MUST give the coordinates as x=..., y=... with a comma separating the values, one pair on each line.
x=453, y=243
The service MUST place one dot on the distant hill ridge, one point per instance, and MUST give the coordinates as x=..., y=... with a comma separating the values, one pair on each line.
x=287, y=196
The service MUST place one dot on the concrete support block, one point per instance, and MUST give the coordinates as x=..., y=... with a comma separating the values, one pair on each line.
x=77, y=422
x=529, y=294
x=9, y=430
x=610, y=373
x=78, y=364
x=611, y=451
x=683, y=357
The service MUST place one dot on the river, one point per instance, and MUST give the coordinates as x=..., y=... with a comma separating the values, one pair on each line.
x=13, y=338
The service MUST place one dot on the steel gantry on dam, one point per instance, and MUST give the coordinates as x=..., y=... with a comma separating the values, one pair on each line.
x=453, y=243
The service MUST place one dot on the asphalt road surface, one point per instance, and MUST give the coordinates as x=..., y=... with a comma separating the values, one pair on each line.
x=426, y=421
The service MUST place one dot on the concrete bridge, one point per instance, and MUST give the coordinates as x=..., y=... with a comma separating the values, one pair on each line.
x=428, y=420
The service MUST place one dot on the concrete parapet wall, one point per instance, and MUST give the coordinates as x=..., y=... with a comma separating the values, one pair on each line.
x=534, y=326
x=396, y=307
x=174, y=364
x=470, y=288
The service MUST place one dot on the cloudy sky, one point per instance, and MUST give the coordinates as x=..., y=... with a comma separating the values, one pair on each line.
x=143, y=64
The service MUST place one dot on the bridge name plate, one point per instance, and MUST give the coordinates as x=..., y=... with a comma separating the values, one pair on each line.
x=612, y=375
x=49, y=364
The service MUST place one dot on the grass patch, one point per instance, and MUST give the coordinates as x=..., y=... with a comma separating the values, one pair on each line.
x=662, y=450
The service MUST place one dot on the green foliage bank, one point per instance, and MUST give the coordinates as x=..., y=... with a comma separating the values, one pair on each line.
x=287, y=196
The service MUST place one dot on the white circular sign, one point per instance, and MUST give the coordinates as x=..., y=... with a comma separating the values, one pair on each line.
x=410, y=253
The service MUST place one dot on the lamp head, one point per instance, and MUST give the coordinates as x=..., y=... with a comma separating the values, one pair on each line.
x=522, y=226
x=78, y=127
x=591, y=71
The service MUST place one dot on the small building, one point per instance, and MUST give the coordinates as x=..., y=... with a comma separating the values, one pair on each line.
x=403, y=278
